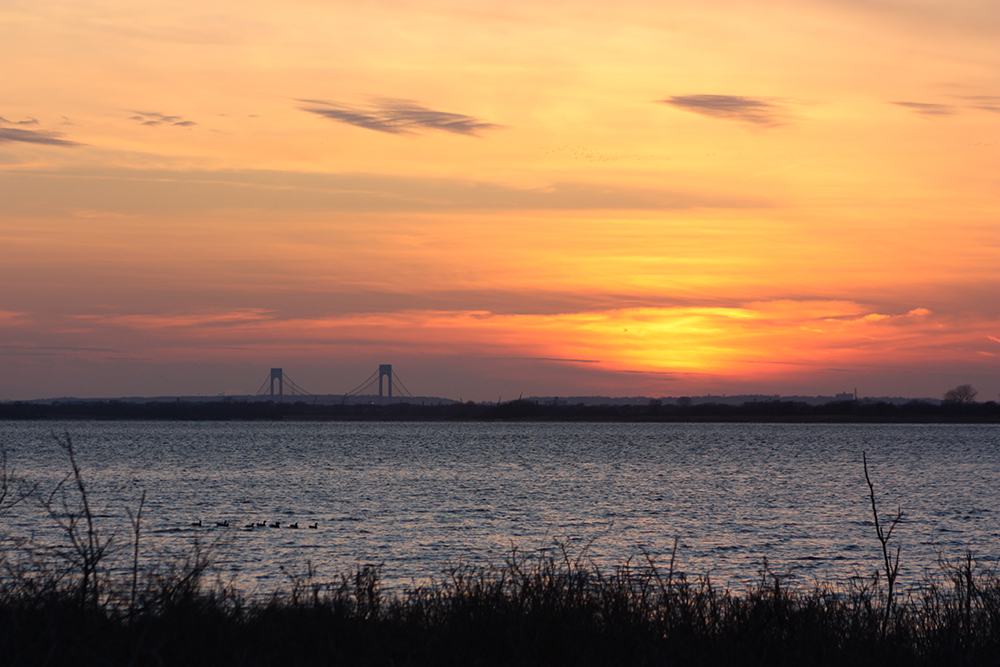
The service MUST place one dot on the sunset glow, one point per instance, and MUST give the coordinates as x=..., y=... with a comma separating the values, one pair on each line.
x=639, y=198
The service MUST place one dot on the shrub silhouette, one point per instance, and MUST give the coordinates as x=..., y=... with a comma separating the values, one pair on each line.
x=963, y=393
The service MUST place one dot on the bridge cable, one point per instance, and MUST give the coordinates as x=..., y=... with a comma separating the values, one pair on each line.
x=400, y=382
x=361, y=390
x=295, y=386
x=363, y=385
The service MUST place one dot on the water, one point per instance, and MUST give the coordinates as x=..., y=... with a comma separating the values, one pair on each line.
x=419, y=497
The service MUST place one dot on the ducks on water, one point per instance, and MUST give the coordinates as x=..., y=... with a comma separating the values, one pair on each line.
x=258, y=524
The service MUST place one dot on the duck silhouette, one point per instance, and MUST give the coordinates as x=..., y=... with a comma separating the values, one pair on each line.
x=197, y=523
x=294, y=525
x=224, y=524
x=314, y=526
x=276, y=524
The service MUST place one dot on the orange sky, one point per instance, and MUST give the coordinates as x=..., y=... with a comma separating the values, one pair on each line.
x=568, y=198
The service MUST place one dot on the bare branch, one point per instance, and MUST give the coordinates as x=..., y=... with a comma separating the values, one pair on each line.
x=890, y=562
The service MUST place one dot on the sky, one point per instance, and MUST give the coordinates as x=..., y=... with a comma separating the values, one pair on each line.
x=560, y=198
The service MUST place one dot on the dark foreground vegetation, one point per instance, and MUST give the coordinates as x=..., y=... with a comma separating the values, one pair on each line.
x=520, y=410
x=64, y=606
x=525, y=612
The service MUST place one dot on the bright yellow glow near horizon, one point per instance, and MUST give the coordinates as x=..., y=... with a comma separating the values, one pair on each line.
x=557, y=198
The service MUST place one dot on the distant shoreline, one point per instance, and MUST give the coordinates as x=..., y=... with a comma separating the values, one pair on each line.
x=838, y=412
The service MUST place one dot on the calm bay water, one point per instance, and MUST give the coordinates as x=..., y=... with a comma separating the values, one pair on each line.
x=418, y=497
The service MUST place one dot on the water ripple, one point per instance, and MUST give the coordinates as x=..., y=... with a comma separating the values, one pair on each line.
x=417, y=497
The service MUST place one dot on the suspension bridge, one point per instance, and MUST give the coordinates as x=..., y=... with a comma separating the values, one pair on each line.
x=384, y=372
x=387, y=382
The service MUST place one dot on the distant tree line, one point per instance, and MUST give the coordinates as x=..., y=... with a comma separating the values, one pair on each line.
x=958, y=410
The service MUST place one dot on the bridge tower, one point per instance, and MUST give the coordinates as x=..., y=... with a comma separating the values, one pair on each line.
x=277, y=374
x=384, y=370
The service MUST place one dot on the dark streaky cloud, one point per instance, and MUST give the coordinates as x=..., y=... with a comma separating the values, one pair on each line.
x=396, y=116
x=732, y=107
x=928, y=109
x=30, y=121
x=984, y=102
x=152, y=119
x=31, y=136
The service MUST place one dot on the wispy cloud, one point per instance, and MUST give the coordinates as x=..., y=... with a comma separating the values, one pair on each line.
x=152, y=119
x=928, y=109
x=30, y=121
x=235, y=317
x=984, y=102
x=135, y=192
x=31, y=136
x=556, y=359
x=396, y=116
x=10, y=317
x=730, y=107
x=31, y=350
